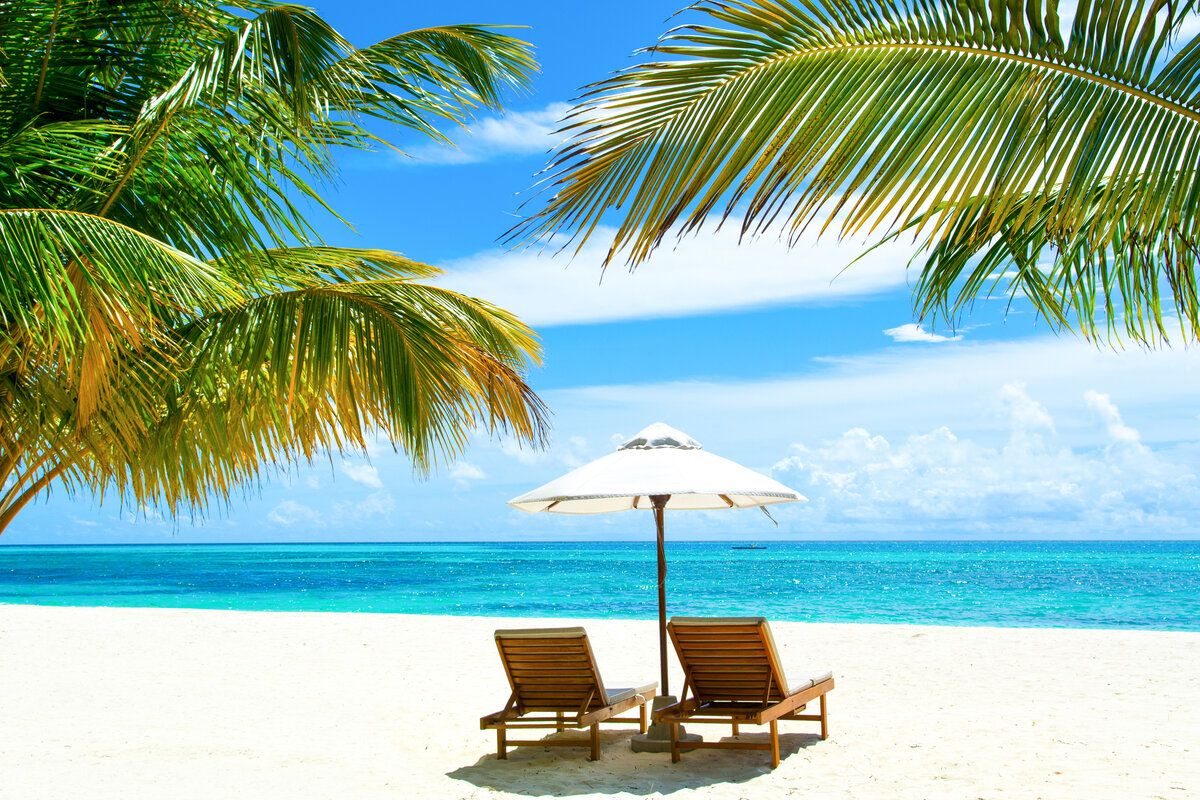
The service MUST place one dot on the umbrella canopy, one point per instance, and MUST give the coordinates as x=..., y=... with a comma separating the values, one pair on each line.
x=658, y=461
x=660, y=468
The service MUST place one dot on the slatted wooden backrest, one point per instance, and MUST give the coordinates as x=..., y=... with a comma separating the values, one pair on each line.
x=728, y=659
x=551, y=669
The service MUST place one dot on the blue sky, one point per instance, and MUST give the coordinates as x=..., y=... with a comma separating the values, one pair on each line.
x=996, y=430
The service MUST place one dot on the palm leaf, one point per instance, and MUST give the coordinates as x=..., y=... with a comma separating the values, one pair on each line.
x=296, y=373
x=288, y=72
x=310, y=367
x=962, y=123
x=172, y=327
x=63, y=268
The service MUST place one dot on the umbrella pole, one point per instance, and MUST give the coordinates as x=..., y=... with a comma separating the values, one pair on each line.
x=660, y=504
x=661, y=738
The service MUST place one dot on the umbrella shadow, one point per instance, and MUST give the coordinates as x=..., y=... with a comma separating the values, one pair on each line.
x=558, y=772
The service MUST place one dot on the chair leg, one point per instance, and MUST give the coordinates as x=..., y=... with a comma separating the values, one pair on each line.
x=824, y=719
x=595, y=742
x=735, y=729
x=774, y=743
x=642, y=714
x=501, y=742
x=558, y=719
x=674, y=742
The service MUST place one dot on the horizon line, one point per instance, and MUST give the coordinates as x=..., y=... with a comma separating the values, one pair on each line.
x=1191, y=539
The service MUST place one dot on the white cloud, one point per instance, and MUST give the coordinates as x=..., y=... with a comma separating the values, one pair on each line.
x=514, y=133
x=1104, y=408
x=989, y=438
x=1025, y=413
x=1188, y=29
x=289, y=513
x=859, y=482
x=708, y=272
x=912, y=332
x=905, y=391
x=376, y=505
x=464, y=473
x=567, y=451
x=365, y=474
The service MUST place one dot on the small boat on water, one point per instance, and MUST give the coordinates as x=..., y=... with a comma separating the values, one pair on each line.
x=747, y=547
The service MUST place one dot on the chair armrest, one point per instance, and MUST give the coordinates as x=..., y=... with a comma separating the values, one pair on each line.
x=492, y=720
x=607, y=712
x=790, y=704
x=675, y=712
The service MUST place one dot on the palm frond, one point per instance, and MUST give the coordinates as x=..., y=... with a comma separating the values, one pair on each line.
x=172, y=327
x=265, y=271
x=290, y=375
x=49, y=165
x=881, y=115
x=469, y=65
x=63, y=270
x=345, y=346
x=288, y=72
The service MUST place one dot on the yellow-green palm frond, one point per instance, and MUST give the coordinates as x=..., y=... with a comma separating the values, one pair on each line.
x=296, y=373
x=309, y=367
x=208, y=121
x=961, y=123
x=171, y=324
x=65, y=271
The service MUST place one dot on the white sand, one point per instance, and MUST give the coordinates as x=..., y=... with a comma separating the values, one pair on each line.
x=133, y=703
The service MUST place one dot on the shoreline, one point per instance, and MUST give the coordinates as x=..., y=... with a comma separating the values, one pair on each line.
x=1193, y=538
x=200, y=703
x=549, y=618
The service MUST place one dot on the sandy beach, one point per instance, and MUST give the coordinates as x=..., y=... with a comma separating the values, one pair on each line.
x=148, y=703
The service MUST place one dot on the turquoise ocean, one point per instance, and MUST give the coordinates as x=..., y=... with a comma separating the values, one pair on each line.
x=1147, y=585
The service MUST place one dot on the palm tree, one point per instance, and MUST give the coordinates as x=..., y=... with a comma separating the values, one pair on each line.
x=1020, y=160
x=171, y=324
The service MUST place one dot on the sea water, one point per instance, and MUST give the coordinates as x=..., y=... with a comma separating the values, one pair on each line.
x=1150, y=585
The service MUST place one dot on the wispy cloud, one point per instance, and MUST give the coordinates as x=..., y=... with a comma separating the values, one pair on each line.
x=709, y=272
x=464, y=473
x=513, y=134
x=1108, y=413
x=1024, y=413
x=366, y=474
x=289, y=513
x=376, y=504
x=567, y=451
x=905, y=390
x=912, y=332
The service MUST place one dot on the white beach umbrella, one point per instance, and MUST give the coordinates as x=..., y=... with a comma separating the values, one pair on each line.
x=659, y=469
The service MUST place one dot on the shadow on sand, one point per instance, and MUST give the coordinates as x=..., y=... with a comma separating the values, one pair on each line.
x=560, y=772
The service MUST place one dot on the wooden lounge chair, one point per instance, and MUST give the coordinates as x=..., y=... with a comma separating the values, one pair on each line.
x=551, y=670
x=732, y=670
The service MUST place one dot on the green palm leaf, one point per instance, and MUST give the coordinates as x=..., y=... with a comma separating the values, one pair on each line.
x=65, y=271
x=172, y=328
x=290, y=375
x=964, y=124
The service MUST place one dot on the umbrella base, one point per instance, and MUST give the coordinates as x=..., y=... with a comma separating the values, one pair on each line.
x=658, y=738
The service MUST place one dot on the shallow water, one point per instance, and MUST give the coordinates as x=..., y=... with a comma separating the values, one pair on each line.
x=1151, y=585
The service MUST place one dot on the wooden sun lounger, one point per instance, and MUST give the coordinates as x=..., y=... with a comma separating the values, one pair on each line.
x=732, y=670
x=551, y=670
